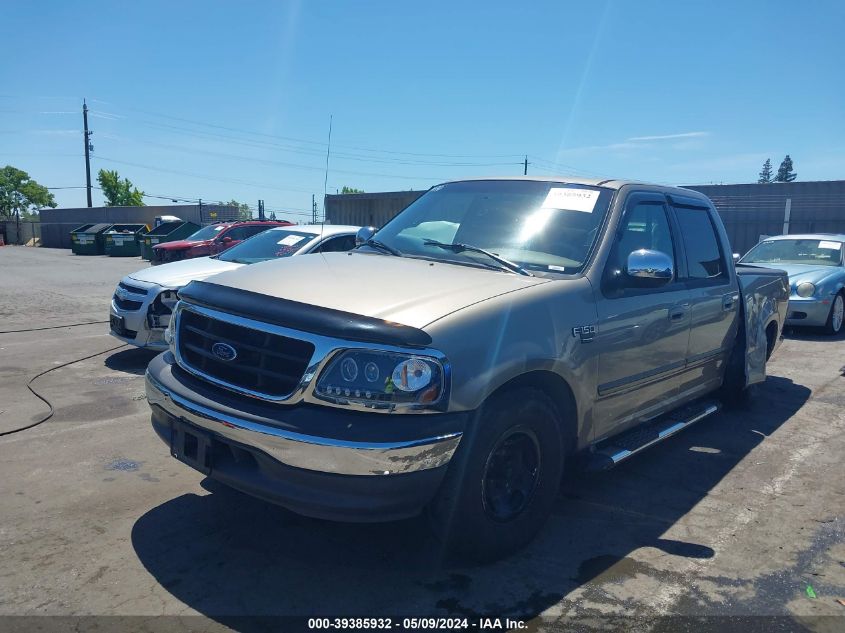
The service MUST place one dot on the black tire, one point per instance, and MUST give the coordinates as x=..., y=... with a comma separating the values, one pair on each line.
x=831, y=326
x=482, y=511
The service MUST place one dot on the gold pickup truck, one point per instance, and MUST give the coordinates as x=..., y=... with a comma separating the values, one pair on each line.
x=457, y=358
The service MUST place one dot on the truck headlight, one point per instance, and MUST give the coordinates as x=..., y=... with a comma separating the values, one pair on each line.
x=805, y=289
x=383, y=380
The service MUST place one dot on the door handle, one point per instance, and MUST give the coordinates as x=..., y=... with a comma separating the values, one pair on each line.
x=728, y=301
x=677, y=313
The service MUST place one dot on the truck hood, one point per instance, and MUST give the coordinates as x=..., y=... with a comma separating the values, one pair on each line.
x=180, y=245
x=409, y=291
x=178, y=274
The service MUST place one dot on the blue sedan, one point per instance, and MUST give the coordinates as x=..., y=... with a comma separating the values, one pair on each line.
x=814, y=263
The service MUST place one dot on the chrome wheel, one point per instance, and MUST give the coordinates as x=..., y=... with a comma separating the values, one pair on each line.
x=511, y=474
x=838, y=311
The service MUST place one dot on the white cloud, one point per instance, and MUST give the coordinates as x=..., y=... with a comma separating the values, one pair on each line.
x=665, y=137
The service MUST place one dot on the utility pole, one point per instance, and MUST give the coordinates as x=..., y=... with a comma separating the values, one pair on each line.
x=200, y=201
x=261, y=210
x=88, y=149
x=525, y=166
x=313, y=209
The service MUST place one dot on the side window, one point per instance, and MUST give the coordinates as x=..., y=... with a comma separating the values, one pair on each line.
x=242, y=232
x=645, y=226
x=255, y=229
x=704, y=257
x=337, y=244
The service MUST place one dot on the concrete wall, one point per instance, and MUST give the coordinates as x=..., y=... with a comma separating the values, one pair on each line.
x=367, y=209
x=56, y=224
x=750, y=211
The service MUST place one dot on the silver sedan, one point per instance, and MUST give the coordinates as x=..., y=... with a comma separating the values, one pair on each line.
x=816, y=271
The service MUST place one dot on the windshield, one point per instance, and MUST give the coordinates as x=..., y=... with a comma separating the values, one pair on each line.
x=803, y=251
x=541, y=226
x=205, y=233
x=267, y=245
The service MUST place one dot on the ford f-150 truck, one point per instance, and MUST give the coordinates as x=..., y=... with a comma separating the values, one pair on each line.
x=459, y=357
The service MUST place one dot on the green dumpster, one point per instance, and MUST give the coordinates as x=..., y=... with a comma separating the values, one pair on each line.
x=165, y=232
x=88, y=239
x=122, y=240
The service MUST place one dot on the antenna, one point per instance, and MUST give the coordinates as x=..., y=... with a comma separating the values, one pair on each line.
x=326, y=179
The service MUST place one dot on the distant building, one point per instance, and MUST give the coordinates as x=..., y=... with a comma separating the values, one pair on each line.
x=56, y=224
x=749, y=211
x=367, y=209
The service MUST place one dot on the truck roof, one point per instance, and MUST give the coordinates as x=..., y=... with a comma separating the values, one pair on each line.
x=609, y=183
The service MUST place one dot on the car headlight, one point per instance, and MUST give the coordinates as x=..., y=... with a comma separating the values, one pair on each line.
x=383, y=380
x=805, y=289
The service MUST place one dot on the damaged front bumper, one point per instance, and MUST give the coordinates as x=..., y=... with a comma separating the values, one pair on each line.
x=373, y=466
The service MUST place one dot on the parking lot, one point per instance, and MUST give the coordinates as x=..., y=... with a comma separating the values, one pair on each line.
x=742, y=514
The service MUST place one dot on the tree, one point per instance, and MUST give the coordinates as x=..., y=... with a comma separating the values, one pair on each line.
x=785, y=173
x=766, y=173
x=119, y=193
x=20, y=195
x=244, y=212
x=351, y=190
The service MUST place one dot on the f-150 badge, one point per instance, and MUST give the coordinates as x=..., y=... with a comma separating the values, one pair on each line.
x=585, y=332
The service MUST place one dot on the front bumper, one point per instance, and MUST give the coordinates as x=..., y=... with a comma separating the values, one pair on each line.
x=318, y=461
x=138, y=328
x=810, y=312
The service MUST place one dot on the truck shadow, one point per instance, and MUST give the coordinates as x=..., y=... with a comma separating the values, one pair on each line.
x=131, y=361
x=227, y=555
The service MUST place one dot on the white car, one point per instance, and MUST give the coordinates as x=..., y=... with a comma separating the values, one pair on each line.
x=143, y=301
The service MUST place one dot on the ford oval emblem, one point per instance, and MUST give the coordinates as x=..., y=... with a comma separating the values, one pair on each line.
x=224, y=351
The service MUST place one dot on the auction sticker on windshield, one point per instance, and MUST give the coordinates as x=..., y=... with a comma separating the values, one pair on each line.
x=834, y=246
x=290, y=240
x=571, y=199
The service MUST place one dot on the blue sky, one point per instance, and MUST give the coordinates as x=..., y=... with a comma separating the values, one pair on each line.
x=221, y=100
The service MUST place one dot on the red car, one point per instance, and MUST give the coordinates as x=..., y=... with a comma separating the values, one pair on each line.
x=211, y=240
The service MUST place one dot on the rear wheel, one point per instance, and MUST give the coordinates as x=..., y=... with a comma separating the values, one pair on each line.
x=836, y=316
x=500, y=489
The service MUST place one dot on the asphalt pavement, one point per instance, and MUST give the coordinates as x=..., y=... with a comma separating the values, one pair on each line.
x=742, y=515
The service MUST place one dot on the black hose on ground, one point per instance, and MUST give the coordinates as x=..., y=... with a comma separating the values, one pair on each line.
x=53, y=327
x=47, y=371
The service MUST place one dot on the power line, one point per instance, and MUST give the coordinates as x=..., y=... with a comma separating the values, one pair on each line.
x=321, y=144
x=201, y=176
x=309, y=151
x=268, y=161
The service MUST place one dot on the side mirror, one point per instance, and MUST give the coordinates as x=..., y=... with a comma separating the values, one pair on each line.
x=736, y=257
x=649, y=268
x=364, y=233
x=226, y=239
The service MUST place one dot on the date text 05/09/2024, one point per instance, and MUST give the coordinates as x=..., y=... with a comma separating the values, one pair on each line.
x=416, y=624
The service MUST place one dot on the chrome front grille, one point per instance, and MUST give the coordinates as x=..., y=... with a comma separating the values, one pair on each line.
x=264, y=363
x=135, y=290
x=127, y=304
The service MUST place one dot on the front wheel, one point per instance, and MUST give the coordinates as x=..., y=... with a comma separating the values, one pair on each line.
x=500, y=490
x=835, y=318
